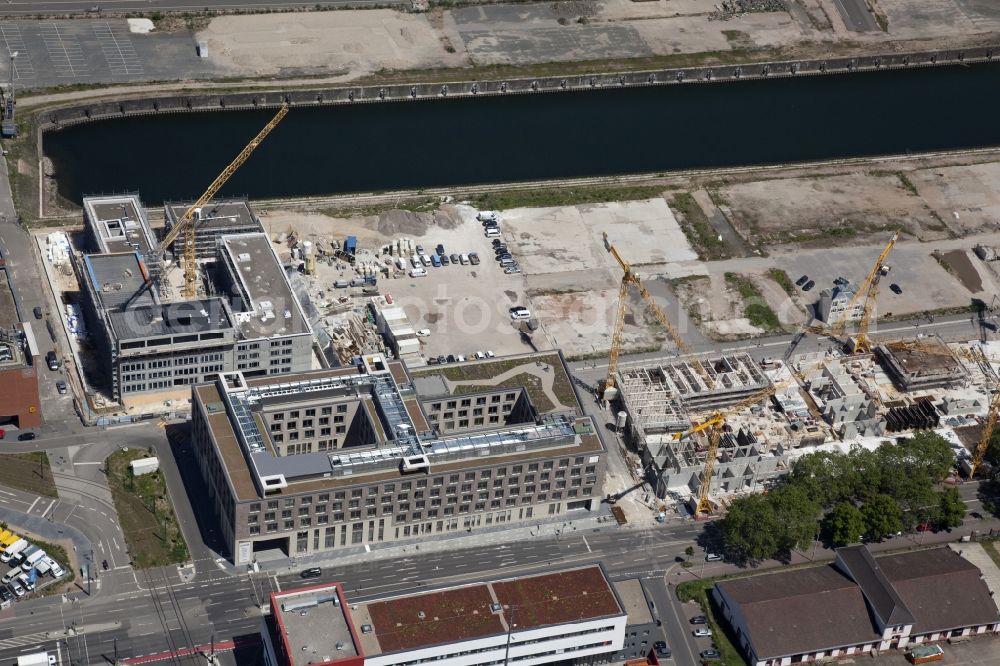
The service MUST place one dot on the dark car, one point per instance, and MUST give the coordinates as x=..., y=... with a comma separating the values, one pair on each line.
x=314, y=572
x=802, y=280
x=499, y=247
x=25, y=436
x=38, y=312
x=808, y=285
x=440, y=249
x=445, y=260
x=455, y=259
x=505, y=255
x=662, y=650
x=5, y=594
x=710, y=654
x=473, y=258
x=497, y=241
x=432, y=360
x=699, y=619
x=442, y=359
x=104, y=565
x=451, y=358
x=894, y=288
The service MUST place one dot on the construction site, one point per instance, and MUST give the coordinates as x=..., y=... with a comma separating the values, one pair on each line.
x=709, y=428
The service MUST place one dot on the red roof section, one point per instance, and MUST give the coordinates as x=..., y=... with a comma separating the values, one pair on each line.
x=568, y=596
x=450, y=615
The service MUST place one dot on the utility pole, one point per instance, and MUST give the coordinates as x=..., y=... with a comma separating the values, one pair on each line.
x=510, y=628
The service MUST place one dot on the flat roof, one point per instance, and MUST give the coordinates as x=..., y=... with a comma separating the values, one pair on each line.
x=634, y=600
x=544, y=375
x=930, y=357
x=218, y=213
x=182, y=318
x=270, y=307
x=348, y=467
x=119, y=223
x=485, y=609
x=117, y=278
x=315, y=624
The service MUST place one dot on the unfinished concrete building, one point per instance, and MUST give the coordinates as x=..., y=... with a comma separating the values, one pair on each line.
x=657, y=401
x=850, y=411
x=221, y=217
x=915, y=367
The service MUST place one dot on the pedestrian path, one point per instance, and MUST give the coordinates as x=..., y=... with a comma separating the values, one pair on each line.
x=977, y=555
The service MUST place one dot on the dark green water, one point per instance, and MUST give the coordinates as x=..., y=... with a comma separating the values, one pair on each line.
x=410, y=145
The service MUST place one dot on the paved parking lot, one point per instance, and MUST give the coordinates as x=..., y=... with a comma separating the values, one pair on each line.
x=50, y=53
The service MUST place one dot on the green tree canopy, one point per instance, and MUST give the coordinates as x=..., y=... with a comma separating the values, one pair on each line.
x=883, y=517
x=751, y=528
x=951, y=509
x=796, y=514
x=845, y=524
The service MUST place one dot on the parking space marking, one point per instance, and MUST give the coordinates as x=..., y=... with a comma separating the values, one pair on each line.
x=118, y=50
x=12, y=39
x=65, y=52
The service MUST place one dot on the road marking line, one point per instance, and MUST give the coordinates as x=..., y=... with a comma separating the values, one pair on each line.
x=586, y=544
x=33, y=505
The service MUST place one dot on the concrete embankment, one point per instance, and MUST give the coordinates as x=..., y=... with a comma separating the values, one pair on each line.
x=173, y=103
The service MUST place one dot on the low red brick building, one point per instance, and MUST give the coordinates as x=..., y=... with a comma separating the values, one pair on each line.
x=19, y=368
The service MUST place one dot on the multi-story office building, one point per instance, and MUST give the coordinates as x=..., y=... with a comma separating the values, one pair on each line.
x=221, y=217
x=152, y=345
x=568, y=616
x=333, y=459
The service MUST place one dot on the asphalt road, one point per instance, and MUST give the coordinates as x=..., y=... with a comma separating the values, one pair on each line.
x=49, y=7
x=856, y=15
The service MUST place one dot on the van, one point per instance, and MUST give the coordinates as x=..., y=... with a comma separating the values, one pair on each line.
x=23, y=555
x=13, y=549
x=488, y=216
x=52, y=360
x=400, y=264
x=492, y=232
x=420, y=271
x=32, y=560
x=425, y=260
x=436, y=261
x=415, y=260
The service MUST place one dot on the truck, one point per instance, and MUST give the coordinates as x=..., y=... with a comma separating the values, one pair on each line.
x=36, y=659
x=13, y=549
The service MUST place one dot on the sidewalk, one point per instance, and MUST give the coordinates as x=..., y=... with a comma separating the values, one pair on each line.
x=455, y=540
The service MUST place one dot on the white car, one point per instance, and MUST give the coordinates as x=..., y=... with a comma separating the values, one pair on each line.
x=492, y=232
x=519, y=313
x=480, y=355
x=490, y=354
x=460, y=358
x=702, y=631
x=418, y=272
x=423, y=333
x=26, y=582
x=16, y=588
x=10, y=575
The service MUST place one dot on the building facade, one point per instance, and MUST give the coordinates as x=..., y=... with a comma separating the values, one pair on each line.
x=288, y=477
x=858, y=605
x=569, y=615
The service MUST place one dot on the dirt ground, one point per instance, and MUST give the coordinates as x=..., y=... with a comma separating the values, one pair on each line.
x=827, y=211
x=354, y=43
x=341, y=42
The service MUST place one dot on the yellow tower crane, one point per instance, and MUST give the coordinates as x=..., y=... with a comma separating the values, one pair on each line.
x=868, y=290
x=630, y=278
x=188, y=223
x=986, y=434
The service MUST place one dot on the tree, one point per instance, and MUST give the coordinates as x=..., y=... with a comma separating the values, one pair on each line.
x=951, y=509
x=883, y=517
x=827, y=477
x=845, y=524
x=993, y=451
x=689, y=551
x=750, y=529
x=796, y=513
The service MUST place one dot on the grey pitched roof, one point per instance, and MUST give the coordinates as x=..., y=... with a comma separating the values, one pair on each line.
x=802, y=610
x=820, y=608
x=859, y=564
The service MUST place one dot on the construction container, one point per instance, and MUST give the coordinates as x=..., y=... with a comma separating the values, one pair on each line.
x=145, y=466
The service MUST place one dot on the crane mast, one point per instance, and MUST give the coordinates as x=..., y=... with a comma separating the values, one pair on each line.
x=630, y=278
x=188, y=223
